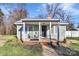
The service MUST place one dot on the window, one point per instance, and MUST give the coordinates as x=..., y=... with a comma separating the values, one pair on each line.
x=36, y=31
x=36, y=28
x=30, y=28
x=25, y=28
x=30, y=34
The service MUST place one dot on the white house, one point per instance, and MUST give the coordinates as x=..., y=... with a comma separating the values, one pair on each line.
x=28, y=29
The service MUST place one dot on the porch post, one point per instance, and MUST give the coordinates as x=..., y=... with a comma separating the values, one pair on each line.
x=50, y=31
x=23, y=30
x=39, y=30
x=58, y=34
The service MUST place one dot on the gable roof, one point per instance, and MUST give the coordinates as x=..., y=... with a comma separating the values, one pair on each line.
x=18, y=22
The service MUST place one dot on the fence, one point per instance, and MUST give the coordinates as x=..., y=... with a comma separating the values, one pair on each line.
x=72, y=33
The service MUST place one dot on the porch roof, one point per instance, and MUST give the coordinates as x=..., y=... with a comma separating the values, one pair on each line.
x=40, y=20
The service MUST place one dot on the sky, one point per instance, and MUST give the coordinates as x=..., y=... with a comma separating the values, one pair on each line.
x=35, y=9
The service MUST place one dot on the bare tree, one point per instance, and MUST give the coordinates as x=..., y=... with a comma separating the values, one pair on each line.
x=55, y=10
x=2, y=25
x=15, y=15
x=52, y=9
x=66, y=17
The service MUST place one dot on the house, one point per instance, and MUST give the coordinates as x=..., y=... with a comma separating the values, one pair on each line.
x=39, y=29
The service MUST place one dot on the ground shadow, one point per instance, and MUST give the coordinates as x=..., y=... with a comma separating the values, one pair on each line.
x=65, y=51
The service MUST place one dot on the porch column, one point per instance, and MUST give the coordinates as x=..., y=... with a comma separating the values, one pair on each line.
x=58, y=35
x=58, y=32
x=23, y=31
x=39, y=30
x=50, y=31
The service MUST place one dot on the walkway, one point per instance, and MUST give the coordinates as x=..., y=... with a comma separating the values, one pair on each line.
x=49, y=51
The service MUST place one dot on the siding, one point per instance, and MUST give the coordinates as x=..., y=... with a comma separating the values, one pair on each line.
x=18, y=31
x=62, y=30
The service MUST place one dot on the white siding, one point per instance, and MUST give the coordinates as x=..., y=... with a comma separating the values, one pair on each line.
x=54, y=32
x=18, y=32
x=62, y=30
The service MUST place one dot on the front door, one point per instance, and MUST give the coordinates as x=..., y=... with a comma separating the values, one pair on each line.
x=44, y=29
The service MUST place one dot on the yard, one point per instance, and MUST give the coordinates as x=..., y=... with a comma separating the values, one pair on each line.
x=74, y=43
x=11, y=47
x=70, y=48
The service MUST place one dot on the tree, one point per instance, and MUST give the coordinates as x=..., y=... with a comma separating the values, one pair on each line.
x=66, y=17
x=78, y=25
x=62, y=14
x=71, y=25
x=2, y=25
x=16, y=15
x=52, y=9
x=52, y=12
x=1, y=17
x=56, y=11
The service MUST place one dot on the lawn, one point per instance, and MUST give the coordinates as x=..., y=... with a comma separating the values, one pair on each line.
x=75, y=43
x=10, y=48
x=70, y=48
x=7, y=37
x=73, y=38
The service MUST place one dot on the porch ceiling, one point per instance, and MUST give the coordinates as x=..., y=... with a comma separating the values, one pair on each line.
x=42, y=23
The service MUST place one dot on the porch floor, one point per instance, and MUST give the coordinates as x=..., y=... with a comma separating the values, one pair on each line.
x=41, y=40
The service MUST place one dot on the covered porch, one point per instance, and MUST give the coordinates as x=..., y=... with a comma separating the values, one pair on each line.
x=40, y=30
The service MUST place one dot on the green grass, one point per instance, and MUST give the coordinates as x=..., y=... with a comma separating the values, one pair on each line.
x=7, y=37
x=18, y=49
x=73, y=38
x=74, y=46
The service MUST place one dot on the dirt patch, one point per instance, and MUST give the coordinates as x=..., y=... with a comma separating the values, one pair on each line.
x=2, y=42
x=69, y=42
x=30, y=43
x=74, y=41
